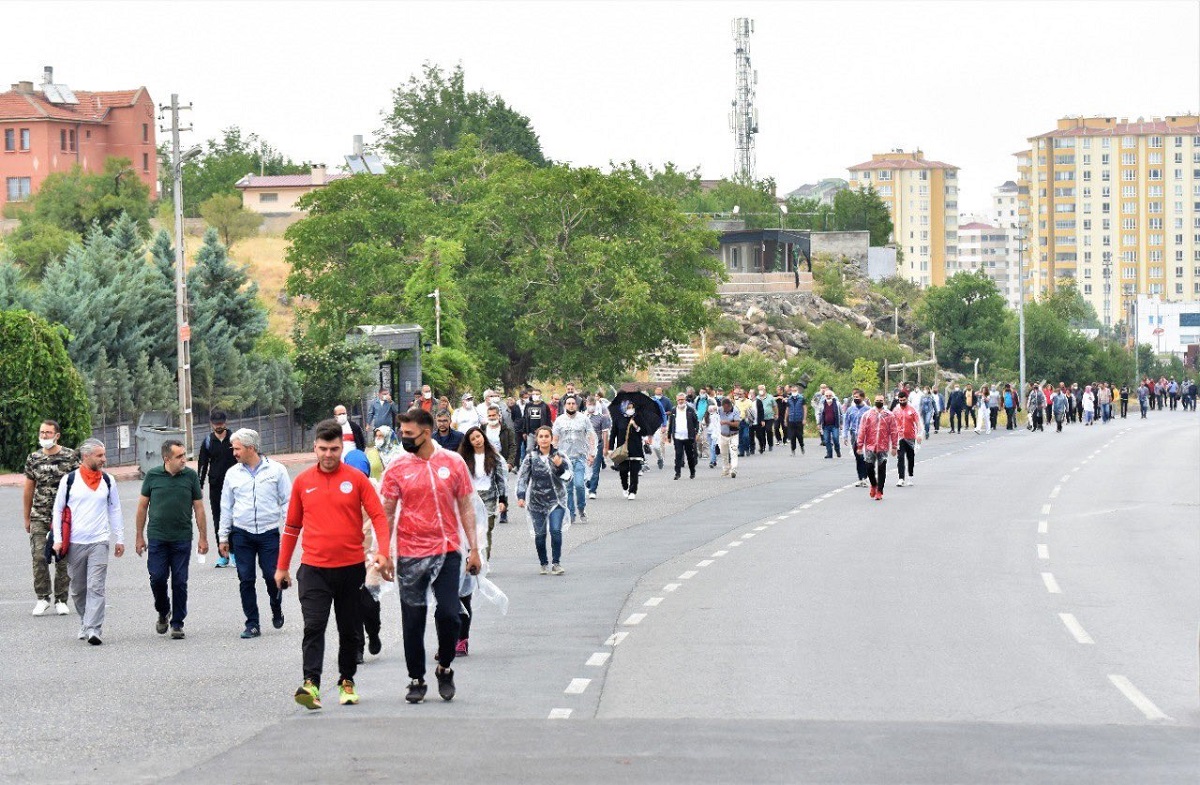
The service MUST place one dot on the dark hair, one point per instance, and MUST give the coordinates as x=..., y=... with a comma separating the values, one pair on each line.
x=56, y=426
x=216, y=415
x=441, y=413
x=327, y=431
x=467, y=450
x=420, y=417
x=169, y=446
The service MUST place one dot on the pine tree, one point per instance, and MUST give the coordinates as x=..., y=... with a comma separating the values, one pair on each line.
x=125, y=237
x=223, y=299
x=15, y=293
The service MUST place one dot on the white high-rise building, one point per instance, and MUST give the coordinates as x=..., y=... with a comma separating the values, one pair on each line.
x=984, y=247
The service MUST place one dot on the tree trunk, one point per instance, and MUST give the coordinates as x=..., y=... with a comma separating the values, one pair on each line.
x=516, y=375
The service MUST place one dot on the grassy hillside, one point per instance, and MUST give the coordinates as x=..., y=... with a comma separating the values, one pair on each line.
x=269, y=268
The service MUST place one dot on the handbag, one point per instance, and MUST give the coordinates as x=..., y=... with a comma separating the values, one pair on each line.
x=621, y=454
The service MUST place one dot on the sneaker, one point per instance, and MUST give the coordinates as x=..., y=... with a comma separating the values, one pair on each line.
x=346, y=694
x=582, y=517
x=374, y=645
x=733, y=474
x=277, y=620
x=725, y=473
x=462, y=648
x=251, y=631
x=879, y=495
x=309, y=695
x=625, y=494
x=94, y=639
x=445, y=678
x=359, y=656
x=557, y=570
x=82, y=634
x=160, y=626
x=544, y=570
x=660, y=463
x=899, y=483
x=41, y=607
x=177, y=634
x=712, y=465
x=874, y=492
x=61, y=608
x=416, y=691
x=222, y=561
x=632, y=496
x=591, y=494
x=908, y=483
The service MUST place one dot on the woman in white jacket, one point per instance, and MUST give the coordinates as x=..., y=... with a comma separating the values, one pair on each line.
x=1089, y=405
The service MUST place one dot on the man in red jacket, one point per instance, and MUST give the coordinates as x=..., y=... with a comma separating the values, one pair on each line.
x=877, y=437
x=327, y=504
x=908, y=423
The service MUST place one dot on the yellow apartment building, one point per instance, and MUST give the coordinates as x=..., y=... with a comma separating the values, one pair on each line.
x=922, y=196
x=1115, y=206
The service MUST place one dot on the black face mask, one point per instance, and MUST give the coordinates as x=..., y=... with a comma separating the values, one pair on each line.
x=879, y=404
x=409, y=444
x=858, y=401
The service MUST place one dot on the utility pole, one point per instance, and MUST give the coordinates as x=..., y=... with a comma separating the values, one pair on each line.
x=183, y=333
x=1021, y=305
x=436, y=294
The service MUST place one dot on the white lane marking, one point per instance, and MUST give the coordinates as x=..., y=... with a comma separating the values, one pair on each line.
x=805, y=507
x=1045, y=509
x=1144, y=704
x=704, y=562
x=1043, y=551
x=653, y=602
x=748, y=535
x=1075, y=469
x=1051, y=584
x=616, y=638
x=759, y=528
x=827, y=496
x=717, y=554
x=634, y=618
x=687, y=575
x=1065, y=477
x=1043, y=527
x=598, y=659
x=793, y=512
x=1055, y=491
x=816, y=501
x=559, y=714
x=577, y=686
x=671, y=587
x=735, y=543
x=1075, y=628
x=768, y=523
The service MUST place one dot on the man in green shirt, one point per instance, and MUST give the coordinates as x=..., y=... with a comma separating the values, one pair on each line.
x=170, y=494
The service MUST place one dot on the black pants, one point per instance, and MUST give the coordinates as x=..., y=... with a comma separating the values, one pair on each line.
x=970, y=419
x=368, y=608
x=1124, y=407
x=877, y=473
x=993, y=417
x=766, y=430
x=215, y=485
x=321, y=587
x=795, y=433
x=445, y=618
x=464, y=618
x=860, y=465
x=906, y=452
x=631, y=470
x=685, y=448
x=956, y=420
x=1035, y=420
x=1058, y=421
x=780, y=429
x=1010, y=418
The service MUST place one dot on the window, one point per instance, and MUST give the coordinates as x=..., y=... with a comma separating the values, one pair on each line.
x=1178, y=288
x=263, y=198
x=1129, y=224
x=1156, y=255
x=1087, y=193
x=1087, y=288
x=1087, y=176
x=1154, y=158
x=1128, y=191
x=923, y=175
x=1156, y=239
x=71, y=140
x=1086, y=142
x=24, y=138
x=1128, y=141
x=1087, y=273
x=145, y=132
x=1156, y=288
x=1105, y=143
x=18, y=188
x=1128, y=175
x=1156, y=141
x=1105, y=176
x=1179, y=141
x=62, y=140
x=1156, y=223
x=1129, y=239
x=1154, y=190
x=1128, y=159
x=1178, y=272
x=1156, y=174
x=1178, y=158
x=1129, y=208
x=885, y=174
x=1087, y=224
x=1156, y=272
x=1129, y=272
x=145, y=162
x=10, y=140
x=1105, y=224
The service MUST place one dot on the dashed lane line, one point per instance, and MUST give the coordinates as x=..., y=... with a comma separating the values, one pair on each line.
x=559, y=714
x=671, y=587
x=653, y=602
x=1051, y=584
x=1076, y=629
x=1043, y=526
x=1043, y=551
x=634, y=619
x=598, y=659
x=1137, y=698
x=577, y=686
x=616, y=638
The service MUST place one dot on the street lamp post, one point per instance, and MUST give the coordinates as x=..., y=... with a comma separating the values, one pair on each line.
x=1021, y=305
x=436, y=294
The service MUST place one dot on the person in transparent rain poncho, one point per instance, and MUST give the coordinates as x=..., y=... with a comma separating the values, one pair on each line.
x=430, y=503
x=542, y=491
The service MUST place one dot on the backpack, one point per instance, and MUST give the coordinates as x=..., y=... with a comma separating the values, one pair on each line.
x=49, y=553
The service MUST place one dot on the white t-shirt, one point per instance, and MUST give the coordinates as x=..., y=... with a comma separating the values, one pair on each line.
x=464, y=418
x=681, y=423
x=479, y=474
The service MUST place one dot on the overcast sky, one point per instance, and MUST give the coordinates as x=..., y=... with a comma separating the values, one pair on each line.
x=967, y=82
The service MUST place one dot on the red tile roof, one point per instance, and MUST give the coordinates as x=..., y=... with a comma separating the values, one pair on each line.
x=92, y=107
x=901, y=163
x=286, y=180
x=1128, y=129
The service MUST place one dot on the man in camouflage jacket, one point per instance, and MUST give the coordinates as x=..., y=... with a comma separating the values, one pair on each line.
x=43, y=470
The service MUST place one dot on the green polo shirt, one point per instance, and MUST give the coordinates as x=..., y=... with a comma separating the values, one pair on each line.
x=171, y=497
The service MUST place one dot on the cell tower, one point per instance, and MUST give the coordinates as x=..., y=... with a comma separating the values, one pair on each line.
x=743, y=119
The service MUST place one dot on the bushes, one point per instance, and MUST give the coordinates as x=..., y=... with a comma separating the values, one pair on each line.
x=723, y=371
x=37, y=381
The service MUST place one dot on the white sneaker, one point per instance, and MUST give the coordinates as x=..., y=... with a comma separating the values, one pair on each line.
x=82, y=634
x=592, y=495
x=908, y=483
x=631, y=496
x=625, y=494
x=61, y=608
x=900, y=483
x=41, y=607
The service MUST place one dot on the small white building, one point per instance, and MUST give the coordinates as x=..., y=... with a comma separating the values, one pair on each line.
x=1168, y=327
x=984, y=247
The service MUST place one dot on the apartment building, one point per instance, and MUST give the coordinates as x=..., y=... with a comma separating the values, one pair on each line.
x=984, y=247
x=922, y=196
x=1115, y=206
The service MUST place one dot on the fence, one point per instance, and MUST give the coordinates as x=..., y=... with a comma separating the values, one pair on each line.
x=281, y=433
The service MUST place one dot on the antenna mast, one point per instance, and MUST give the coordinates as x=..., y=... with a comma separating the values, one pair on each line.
x=743, y=119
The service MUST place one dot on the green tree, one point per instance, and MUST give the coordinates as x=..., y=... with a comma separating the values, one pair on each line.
x=862, y=209
x=15, y=292
x=224, y=212
x=724, y=371
x=436, y=112
x=74, y=200
x=865, y=376
x=968, y=315
x=224, y=161
x=332, y=374
x=37, y=380
x=35, y=244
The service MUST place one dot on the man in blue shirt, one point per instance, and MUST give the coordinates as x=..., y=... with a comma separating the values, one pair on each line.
x=853, y=417
x=382, y=411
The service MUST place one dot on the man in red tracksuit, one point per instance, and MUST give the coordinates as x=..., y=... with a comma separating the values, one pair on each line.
x=877, y=436
x=327, y=505
x=908, y=424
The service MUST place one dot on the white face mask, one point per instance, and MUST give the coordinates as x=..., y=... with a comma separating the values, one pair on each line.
x=535, y=398
x=427, y=395
x=46, y=444
x=378, y=443
x=341, y=419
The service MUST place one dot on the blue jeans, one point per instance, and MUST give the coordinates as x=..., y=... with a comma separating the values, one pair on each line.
x=577, y=489
x=247, y=548
x=712, y=450
x=555, y=520
x=169, y=561
x=830, y=432
x=593, y=482
x=743, y=439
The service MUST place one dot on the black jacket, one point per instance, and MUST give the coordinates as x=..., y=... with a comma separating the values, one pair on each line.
x=957, y=401
x=693, y=424
x=216, y=457
x=536, y=415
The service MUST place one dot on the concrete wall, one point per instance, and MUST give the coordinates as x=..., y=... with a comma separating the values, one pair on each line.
x=852, y=245
x=881, y=263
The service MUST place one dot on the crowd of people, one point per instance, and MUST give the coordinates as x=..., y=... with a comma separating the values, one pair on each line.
x=414, y=496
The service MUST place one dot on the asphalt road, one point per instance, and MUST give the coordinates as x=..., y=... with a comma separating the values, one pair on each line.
x=1026, y=613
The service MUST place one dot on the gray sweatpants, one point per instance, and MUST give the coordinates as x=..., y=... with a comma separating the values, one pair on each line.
x=87, y=566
